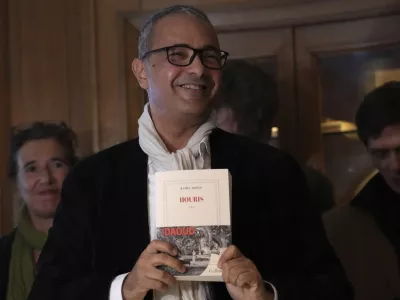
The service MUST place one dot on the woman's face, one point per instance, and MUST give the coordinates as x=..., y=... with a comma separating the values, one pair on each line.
x=41, y=169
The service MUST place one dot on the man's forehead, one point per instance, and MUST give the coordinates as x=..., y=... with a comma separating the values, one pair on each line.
x=389, y=138
x=181, y=28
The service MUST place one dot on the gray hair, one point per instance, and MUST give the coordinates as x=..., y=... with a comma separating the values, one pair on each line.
x=146, y=32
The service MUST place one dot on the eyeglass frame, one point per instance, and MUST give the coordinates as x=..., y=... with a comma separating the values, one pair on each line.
x=195, y=52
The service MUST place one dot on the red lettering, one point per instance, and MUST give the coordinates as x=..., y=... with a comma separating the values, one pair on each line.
x=191, y=199
x=198, y=199
x=178, y=231
x=185, y=199
x=191, y=231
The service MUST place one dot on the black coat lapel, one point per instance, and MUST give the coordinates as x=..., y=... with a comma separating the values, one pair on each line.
x=140, y=193
x=139, y=167
x=224, y=154
x=124, y=222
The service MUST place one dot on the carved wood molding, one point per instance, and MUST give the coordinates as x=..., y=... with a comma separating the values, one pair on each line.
x=245, y=16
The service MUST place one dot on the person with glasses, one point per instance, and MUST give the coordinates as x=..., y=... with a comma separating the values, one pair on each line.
x=366, y=235
x=41, y=155
x=102, y=243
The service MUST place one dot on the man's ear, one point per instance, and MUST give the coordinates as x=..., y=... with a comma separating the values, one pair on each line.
x=139, y=69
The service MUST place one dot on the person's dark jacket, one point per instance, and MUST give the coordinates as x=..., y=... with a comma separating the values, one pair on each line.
x=6, y=243
x=102, y=225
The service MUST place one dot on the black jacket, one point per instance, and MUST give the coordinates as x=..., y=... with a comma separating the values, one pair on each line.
x=6, y=243
x=101, y=226
x=379, y=200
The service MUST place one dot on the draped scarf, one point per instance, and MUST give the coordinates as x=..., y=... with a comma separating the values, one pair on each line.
x=182, y=159
x=22, y=265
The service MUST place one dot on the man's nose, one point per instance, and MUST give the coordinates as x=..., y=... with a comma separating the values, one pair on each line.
x=196, y=67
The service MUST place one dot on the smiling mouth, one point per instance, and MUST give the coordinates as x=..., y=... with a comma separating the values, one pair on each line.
x=193, y=86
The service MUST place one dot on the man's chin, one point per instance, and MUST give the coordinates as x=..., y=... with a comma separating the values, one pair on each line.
x=195, y=109
x=195, y=102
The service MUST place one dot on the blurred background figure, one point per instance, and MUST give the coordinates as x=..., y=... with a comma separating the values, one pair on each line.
x=248, y=104
x=42, y=153
x=248, y=101
x=366, y=235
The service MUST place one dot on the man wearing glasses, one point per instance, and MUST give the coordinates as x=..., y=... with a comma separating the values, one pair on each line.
x=99, y=246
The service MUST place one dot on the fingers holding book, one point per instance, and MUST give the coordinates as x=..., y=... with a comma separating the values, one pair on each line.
x=146, y=276
x=238, y=270
x=157, y=246
x=241, y=276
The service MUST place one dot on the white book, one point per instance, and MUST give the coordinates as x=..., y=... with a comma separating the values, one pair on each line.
x=194, y=215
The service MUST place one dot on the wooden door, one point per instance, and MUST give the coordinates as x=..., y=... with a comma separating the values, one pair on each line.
x=337, y=64
x=272, y=50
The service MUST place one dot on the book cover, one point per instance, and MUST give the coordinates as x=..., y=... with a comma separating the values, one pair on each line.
x=194, y=215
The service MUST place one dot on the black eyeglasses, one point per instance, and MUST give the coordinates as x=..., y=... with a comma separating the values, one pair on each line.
x=183, y=55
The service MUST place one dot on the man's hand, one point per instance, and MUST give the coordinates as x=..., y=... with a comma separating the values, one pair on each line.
x=241, y=276
x=145, y=276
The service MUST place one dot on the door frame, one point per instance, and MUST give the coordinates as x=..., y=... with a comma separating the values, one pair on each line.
x=313, y=40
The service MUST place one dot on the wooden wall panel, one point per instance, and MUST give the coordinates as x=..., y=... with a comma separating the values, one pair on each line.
x=5, y=205
x=53, y=65
x=299, y=13
x=135, y=95
x=156, y=4
x=81, y=73
x=111, y=75
x=39, y=59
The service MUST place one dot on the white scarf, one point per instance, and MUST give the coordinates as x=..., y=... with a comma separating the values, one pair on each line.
x=183, y=159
